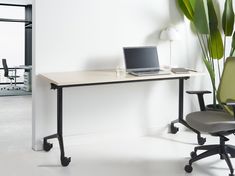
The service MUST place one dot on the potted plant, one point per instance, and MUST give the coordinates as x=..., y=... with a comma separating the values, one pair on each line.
x=206, y=23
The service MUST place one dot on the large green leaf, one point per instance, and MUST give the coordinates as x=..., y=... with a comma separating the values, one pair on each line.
x=193, y=3
x=228, y=18
x=215, y=44
x=186, y=8
x=200, y=19
x=210, y=71
x=233, y=40
x=213, y=20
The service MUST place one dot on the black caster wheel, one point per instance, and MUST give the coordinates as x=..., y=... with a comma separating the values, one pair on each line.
x=222, y=157
x=201, y=140
x=173, y=129
x=188, y=168
x=231, y=174
x=65, y=161
x=47, y=146
x=193, y=154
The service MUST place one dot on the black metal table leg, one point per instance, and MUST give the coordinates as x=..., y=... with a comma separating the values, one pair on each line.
x=59, y=135
x=64, y=160
x=180, y=119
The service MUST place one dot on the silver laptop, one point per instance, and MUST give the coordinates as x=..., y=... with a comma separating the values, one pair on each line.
x=142, y=61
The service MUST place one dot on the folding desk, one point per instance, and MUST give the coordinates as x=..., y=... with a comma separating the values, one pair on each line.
x=62, y=80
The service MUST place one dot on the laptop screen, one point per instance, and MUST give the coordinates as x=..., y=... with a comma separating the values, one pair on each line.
x=141, y=58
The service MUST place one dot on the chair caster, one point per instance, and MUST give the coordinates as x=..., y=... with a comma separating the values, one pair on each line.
x=201, y=140
x=193, y=154
x=47, y=146
x=231, y=174
x=222, y=157
x=173, y=129
x=65, y=161
x=188, y=168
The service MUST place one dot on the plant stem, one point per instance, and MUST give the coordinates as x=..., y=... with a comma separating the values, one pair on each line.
x=231, y=52
x=210, y=59
x=224, y=47
x=205, y=43
x=218, y=68
x=214, y=88
x=201, y=44
x=209, y=47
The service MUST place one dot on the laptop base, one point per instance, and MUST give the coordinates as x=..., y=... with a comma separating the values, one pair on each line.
x=149, y=73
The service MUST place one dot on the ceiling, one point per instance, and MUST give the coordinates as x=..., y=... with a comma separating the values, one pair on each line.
x=16, y=1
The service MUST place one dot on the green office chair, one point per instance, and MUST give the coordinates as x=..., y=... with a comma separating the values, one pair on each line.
x=218, y=124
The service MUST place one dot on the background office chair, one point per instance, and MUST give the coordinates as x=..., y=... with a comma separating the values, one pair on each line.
x=11, y=75
x=218, y=124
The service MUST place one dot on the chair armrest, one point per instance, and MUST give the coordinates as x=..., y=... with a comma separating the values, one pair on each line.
x=230, y=102
x=11, y=70
x=200, y=97
x=199, y=92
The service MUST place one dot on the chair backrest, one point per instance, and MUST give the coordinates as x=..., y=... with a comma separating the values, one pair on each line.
x=226, y=88
x=5, y=67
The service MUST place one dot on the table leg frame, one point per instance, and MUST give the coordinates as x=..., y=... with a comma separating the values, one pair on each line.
x=59, y=135
x=180, y=119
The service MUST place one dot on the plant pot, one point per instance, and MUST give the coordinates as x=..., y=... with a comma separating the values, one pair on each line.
x=216, y=107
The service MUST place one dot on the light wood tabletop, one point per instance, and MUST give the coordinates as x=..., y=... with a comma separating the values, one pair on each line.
x=105, y=77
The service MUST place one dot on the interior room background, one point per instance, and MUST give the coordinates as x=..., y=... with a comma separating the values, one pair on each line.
x=12, y=36
x=89, y=34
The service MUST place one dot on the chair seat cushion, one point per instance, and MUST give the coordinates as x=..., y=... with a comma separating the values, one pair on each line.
x=211, y=121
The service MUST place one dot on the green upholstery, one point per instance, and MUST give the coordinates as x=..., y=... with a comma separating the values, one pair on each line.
x=226, y=90
x=212, y=122
x=217, y=123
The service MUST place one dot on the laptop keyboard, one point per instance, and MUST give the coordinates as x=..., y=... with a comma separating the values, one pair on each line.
x=147, y=71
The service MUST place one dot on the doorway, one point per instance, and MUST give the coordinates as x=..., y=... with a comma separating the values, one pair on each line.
x=16, y=48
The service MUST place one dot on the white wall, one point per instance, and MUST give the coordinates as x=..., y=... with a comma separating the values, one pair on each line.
x=90, y=34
